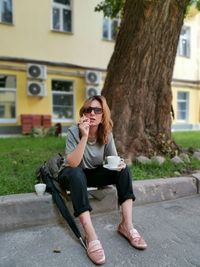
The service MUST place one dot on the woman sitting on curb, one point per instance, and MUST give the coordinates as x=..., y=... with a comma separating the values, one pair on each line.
x=87, y=146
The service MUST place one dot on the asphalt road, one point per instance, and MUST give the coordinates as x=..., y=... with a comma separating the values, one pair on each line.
x=171, y=229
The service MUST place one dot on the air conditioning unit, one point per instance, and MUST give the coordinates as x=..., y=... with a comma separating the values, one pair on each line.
x=36, y=89
x=92, y=91
x=93, y=77
x=35, y=71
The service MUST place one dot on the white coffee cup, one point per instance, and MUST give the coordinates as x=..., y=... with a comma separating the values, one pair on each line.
x=113, y=161
x=40, y=189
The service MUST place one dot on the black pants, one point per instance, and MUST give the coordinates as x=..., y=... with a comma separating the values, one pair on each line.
x=77, y=180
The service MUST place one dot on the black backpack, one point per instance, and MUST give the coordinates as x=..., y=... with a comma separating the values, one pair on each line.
x=50, y=168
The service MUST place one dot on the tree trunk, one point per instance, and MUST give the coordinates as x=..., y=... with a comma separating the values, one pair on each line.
x=138, y=82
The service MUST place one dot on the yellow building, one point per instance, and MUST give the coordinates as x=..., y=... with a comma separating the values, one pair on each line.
x=186, y=77
x=54, y=53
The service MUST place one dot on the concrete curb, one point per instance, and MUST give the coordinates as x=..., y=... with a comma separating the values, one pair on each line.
x=162, y=189
x=22, y=210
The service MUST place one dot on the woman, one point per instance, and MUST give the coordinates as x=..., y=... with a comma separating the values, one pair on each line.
x=87, y=145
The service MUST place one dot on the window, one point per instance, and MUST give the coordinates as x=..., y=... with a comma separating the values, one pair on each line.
x=6, y=11
x=184, y=42
x=182, y=106
x=62, y=15
x=7, y=98
x=63, y=100
x=110, y=28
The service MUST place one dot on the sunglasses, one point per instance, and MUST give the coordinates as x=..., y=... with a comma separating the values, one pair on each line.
x=96, y=110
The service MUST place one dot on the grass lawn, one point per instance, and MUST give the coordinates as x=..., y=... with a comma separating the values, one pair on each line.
x=187, y=139
x=184, y=140
x=20, y=157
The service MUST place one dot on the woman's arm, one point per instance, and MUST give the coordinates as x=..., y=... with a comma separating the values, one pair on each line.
x=74, y=158
x=110, y=148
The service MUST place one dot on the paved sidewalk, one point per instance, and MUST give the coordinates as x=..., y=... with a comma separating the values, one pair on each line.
x=171, y=229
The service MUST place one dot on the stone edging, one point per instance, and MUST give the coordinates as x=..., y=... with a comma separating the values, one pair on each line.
x=22, y=210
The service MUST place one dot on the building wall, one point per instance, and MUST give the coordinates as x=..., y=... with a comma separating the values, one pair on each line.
x=69, y=55
x=188, y=68
x=30, y=39
x=193, y=120
x=31, y=35
x=186, y=77
x=43, y=105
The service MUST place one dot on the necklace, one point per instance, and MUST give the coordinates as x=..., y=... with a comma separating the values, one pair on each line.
x=91, y=140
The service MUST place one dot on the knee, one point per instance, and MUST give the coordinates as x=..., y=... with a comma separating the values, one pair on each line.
x=74, y=171
x=69, y=173
x=76, y=175
x=126, y=171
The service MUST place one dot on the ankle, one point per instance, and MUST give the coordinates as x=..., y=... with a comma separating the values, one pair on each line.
x=127, y=226
x=90, y=237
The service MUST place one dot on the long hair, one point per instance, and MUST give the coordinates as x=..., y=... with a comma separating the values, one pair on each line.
x=105, y=127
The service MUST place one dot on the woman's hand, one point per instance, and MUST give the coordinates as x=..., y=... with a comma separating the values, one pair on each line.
x=75, y=157
x=84, y=125
x=122, y=165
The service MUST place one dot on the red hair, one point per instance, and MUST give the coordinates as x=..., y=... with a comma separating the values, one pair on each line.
x=105, y=127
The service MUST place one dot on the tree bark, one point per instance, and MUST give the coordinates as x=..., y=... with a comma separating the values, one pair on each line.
x=138, y=82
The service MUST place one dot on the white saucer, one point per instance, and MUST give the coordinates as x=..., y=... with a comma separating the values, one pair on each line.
x=110, y=168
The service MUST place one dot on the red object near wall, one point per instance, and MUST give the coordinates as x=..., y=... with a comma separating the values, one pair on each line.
x=36, y=121
x=30, y=121
x=46, y=121
x=26, y=120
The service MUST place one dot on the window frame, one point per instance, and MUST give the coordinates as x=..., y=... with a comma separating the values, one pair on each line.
x=186, y=101
x=6, y=22
x=61, y=7
x=185, y=52
x=109, y=27
x=8, y=89
x=56, y=120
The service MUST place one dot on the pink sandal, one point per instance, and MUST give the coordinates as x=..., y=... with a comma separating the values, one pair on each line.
x=95, y=252
x=134, y=238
